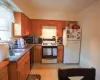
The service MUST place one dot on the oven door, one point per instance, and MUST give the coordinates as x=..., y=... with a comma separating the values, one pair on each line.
x=49, y=52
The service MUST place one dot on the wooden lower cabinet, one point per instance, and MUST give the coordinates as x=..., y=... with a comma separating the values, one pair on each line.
x=37, y=54
x=19, y=70
x=4, y=70
x=21, y=73
x=60, y=54
x=5, y=77
x=27, y=66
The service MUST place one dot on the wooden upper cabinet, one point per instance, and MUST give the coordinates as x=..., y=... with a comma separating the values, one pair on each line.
x=36, y=28
x=49, y=22
x=30, y=26
x=60, y=26
x=22, y=24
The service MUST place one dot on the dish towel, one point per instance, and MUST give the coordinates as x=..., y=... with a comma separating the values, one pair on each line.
x=44, y=51
x=54, y=51
x=49, y=51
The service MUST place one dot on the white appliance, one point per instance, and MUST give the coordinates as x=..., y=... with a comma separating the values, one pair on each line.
x=71, y=41
x=19, y=43
x=49, y=51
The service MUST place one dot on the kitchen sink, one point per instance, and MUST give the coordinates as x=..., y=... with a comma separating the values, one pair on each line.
x=16, y=54
x=18, y=50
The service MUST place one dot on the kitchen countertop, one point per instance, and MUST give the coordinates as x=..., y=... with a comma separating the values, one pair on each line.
x=60, y=44
x=17, y=57
x=29, y=46
x=37, y=44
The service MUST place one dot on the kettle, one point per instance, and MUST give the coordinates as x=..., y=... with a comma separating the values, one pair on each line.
x=19, y=43
x=22, y=41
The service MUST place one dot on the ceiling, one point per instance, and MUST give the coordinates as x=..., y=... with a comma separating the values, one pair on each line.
x=53, y=5
x=49, y=9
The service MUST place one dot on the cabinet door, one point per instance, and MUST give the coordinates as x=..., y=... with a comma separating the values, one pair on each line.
x=39, y=29
x=27, y=66
x=21, y=72
x=49, y=22
x=36, y=27
x=60, y=26
x=23, y=24
x=37, y=54
x=60, y=54
x=30, y=27
x=5, y=77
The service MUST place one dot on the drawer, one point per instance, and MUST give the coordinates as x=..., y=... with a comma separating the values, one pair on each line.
x=38, y=47
x=22, y=60
x=60, y=47
x=3, y=72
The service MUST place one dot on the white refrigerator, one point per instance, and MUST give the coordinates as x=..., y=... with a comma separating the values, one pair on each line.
x=71, y=42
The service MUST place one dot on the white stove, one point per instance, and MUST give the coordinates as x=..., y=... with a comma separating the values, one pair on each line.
x=49, y=51
x=49, y=44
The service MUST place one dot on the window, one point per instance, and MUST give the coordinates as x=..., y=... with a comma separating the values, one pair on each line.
x=6, y=19
x=3, y=24
x=48, y=31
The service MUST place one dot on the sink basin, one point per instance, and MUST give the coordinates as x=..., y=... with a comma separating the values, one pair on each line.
x=16, y=54
x=18, y=51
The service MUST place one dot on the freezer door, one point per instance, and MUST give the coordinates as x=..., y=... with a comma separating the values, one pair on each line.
x=73, y=34
x=71, y=52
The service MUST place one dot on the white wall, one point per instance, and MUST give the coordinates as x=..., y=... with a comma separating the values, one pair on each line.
x=54, y=15
x=34, y=13
x=89, y=20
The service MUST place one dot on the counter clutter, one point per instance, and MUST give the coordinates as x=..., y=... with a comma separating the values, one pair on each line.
x=19, y=53
x=19, y=63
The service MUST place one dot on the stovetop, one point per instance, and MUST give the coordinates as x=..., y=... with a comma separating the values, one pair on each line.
x=49, y=44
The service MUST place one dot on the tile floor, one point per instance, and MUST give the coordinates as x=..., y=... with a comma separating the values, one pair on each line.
x=49, y=71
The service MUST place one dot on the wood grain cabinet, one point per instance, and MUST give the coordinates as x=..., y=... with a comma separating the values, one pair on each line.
x=49, y=22
x=37, y=54
x=60, y=54
x=36, y=27
x=27, y=66
x=5, y=77
x=4, y=74
x=4, y=70
x=19, y=70
x=60, y=26
x=22, y=24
